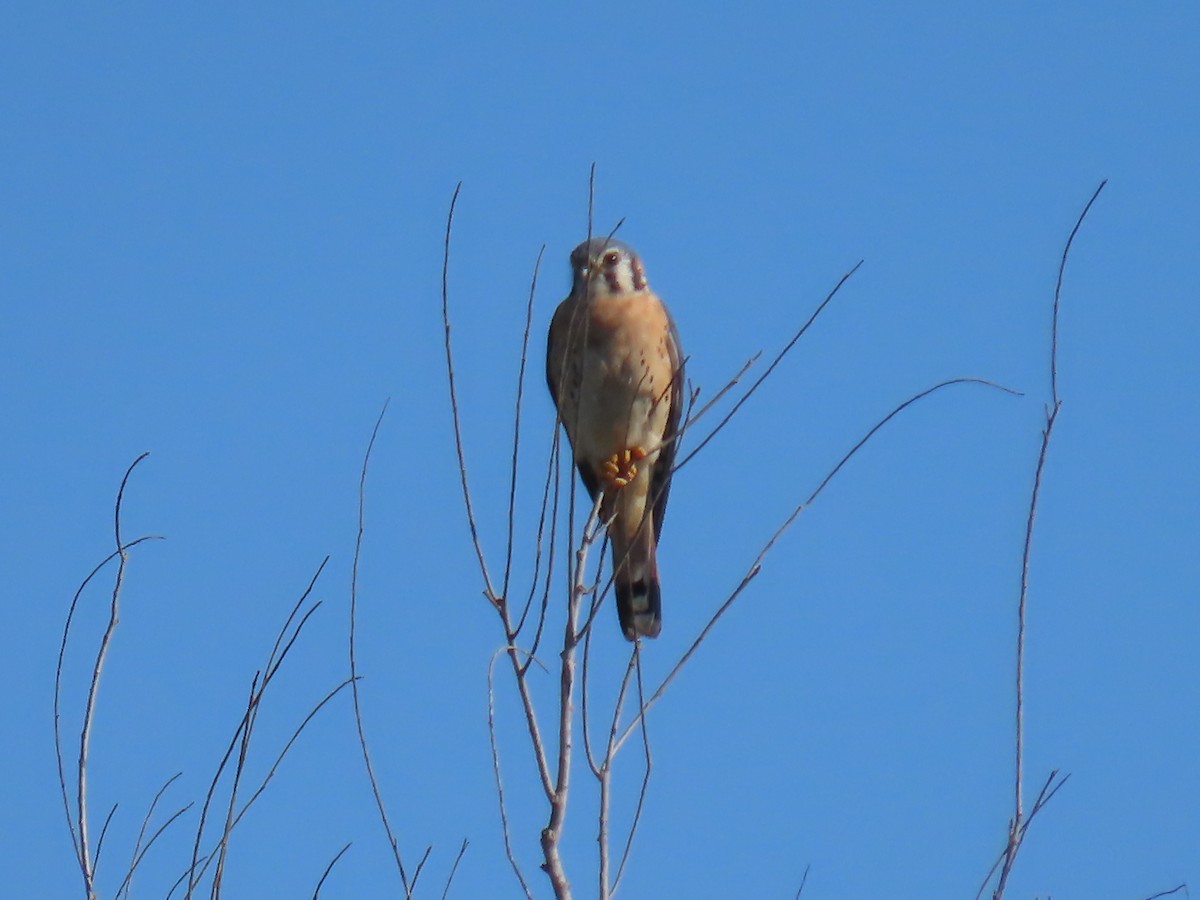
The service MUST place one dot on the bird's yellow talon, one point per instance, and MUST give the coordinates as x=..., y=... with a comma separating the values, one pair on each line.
x=621, y=468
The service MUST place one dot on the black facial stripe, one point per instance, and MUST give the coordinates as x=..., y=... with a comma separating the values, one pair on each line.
x=639, y=275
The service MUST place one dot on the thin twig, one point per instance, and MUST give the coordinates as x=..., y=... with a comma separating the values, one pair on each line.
x=645, y=786
x=604, y=775
x=236, y=820
x=552, y=833
x=508, y=848
x=1175, y=890
x=85, y=733
x=127, y=883
x=770, y=368
x=756, y=565
x=238, y=770
x=458, y=441
x=393, y=843
x=328, y=869
x=103, y=831
x=279, y=653
x=137, y=844
x=454, y=868
x=58, y=676
x=803, y=882
x=512, y=481
x=1015, y=831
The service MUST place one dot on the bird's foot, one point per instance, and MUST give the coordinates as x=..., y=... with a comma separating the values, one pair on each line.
x=621, y=468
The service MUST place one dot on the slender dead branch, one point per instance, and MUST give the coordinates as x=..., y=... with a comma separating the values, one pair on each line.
x=458, y=441
x=104, y=831
x=238, y=770
x=604, y=776
x=77, y=821
x=1175, y=890
x=552, y=833
x=279, y=653
x=137, y=844
x=124, y=888
x=454, y=868
x=508, y=848
x=516, y=449
x=756, y=565
x=648, y=765
x=328, y=869
x=1018, y=824
x=764, y=376
x=803, y=882
x=235, y=820
x=58, y=677
x=393, y=843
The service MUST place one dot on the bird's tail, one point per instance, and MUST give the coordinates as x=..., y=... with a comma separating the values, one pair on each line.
x=639, y=598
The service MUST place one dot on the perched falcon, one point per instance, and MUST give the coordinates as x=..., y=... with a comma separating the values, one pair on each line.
x=615, y=372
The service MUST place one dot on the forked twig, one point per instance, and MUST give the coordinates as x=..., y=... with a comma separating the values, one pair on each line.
x=137, y=844
x=77, y=822
x=262, y=680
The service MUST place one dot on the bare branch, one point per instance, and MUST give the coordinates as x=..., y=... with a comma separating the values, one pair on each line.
x=1062, y=266
x=328, y=869
x=458, y=442
x=393, y=843
x=766, y=374
x=756, y=565
x=86, y=863
x=645, y=786
x=1019, y=823
x=1175, y=890
x=803, y=882
x=125, y=885
x=103, y=831
x=512, y=481
x=508, y=848
x=58, y=675
x=454, y=868
x=279, y=653
x=137, y=845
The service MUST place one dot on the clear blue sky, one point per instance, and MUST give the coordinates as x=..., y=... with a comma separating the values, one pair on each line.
x=220, y=231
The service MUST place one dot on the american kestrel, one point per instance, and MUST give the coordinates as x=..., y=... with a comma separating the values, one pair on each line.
x=615, y=372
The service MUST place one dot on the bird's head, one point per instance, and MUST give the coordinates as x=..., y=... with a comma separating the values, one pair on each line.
x=605, y=266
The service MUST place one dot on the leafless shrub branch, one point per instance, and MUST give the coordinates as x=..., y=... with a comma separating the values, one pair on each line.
x=77, y=819
x=761, y=378
x=139, y=851
x=1019, y=823
x=756, y=565
x=328, y=869
x=803, y=882
x=284, y=641
x=454, y=868
x=1175, y=890
x=408, y=884
x=578, y=625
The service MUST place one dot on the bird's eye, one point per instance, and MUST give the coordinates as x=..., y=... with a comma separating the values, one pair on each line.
x=611, y=258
